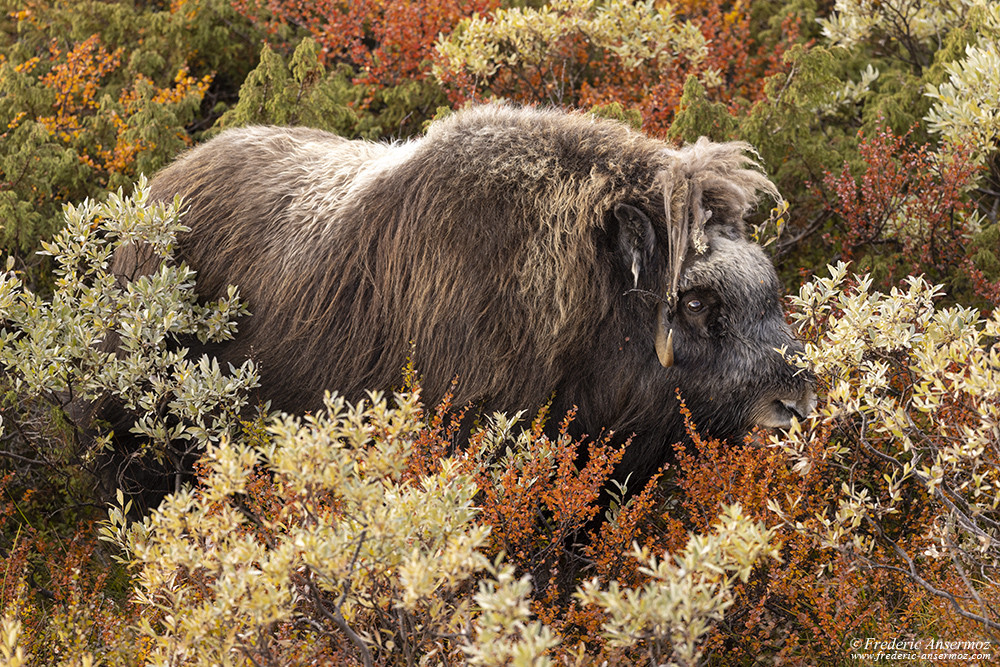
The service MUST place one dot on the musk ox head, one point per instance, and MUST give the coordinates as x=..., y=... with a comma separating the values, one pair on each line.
x=719, y=323
x=531, y=253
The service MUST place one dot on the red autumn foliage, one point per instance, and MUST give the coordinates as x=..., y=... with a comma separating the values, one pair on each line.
x=577, y=74
x=543, y=513
x=907, y=212
x=743, y=62
x=983, y=286
x=387, y=42
x=807, y=609
x=736, y=48
x=62, y=587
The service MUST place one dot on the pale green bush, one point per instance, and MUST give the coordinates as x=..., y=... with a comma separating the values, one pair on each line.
x=11, y=655
x=965, y=113
x=504, y=633
x=53, y=350
x=965, y=110
x=686, y=593
x=908, y=22
x=523, y=41
x=911, y=419
x=353, y=548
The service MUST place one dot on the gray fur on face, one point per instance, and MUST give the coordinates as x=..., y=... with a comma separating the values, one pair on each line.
x=525, y=251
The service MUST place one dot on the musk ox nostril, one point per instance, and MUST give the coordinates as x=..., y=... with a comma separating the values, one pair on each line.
x=779, y=412
x=808, y=403
x=794, y=408
x=799, y=407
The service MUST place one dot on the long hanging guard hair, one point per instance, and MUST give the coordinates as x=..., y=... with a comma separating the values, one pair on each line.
x=731, y=172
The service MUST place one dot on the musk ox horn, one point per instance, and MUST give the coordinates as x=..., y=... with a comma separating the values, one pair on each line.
x=664, y=339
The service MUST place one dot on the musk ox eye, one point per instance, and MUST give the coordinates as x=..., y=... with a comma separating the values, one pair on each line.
x=694, y=305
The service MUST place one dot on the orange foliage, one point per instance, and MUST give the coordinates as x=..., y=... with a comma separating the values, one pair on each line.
x=387, y=42
x=742, y=61
x=543, y=513
x=79, y=116
x=809, y=607
x=120, y=158
x=547, y=494
x=75, y=80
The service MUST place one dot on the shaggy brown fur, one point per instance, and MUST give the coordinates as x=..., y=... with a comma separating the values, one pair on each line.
x=526, y=251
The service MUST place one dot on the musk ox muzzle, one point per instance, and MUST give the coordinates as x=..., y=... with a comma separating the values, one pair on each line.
x=535, y=254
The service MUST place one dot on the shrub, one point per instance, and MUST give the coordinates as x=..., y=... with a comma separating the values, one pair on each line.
x=685, y=593
x=56, y=357
x=908, y=212
x=908, y=437
x=381, y=50
x=96, y=92
x=299, y=93
x=340, y=550
x=352, y=560
x=544, y=54
x=578, y=53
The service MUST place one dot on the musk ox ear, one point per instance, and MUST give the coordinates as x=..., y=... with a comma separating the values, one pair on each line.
x=635, y=238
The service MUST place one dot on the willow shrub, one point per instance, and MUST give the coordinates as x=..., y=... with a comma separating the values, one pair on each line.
x=910, y=434
x=331, y=537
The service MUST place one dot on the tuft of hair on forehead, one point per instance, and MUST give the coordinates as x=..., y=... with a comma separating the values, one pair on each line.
x=708, y=182
x=728, y=173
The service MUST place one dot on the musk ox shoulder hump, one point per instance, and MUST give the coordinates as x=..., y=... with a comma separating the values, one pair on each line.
x=263, y=169
x=509, y=144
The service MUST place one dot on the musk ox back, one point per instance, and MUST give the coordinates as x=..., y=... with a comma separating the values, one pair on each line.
x=531, y=253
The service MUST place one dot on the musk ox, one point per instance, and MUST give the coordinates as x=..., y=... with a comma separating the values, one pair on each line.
x=535, y=254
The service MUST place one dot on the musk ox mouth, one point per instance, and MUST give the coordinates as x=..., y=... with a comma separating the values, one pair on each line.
x=779, y=412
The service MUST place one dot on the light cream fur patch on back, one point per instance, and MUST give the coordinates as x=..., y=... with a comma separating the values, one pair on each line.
x=329, y=176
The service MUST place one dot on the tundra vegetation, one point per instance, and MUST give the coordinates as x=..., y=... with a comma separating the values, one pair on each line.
x=360, y=534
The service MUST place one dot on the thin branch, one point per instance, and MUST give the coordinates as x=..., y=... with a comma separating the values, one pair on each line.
x=342, y=625
x=961, y=572
x=337, y=617
x=915, y=577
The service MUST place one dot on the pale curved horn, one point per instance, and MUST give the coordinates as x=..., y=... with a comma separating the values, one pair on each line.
x=664, y=340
